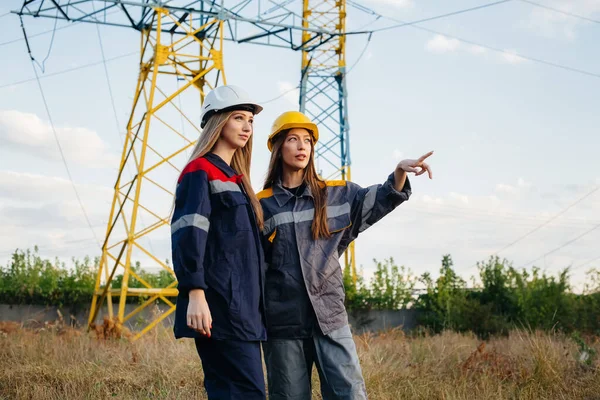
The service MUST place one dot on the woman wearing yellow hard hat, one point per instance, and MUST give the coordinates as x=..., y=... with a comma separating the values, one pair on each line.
x=308, y=223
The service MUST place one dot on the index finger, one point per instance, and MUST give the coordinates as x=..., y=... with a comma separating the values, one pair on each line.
x=424, y=156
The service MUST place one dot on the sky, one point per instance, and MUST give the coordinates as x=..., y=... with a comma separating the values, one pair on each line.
x=506, y=96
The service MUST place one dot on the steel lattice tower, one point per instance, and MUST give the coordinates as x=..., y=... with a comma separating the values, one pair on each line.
x=184, y=40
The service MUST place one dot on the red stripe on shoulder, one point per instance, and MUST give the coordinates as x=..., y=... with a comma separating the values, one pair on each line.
x=201, y=164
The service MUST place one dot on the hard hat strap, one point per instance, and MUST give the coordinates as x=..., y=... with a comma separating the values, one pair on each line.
x=241, y=107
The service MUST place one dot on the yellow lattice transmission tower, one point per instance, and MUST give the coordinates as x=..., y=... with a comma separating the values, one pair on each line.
x=181, y=58
x=197, y=60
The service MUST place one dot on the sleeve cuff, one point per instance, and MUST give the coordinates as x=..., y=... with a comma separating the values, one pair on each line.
x=396, y=195
x=193, y=281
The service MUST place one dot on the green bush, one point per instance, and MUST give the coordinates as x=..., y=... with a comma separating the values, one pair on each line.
x=506, y=297
x=390, y=288
x=29, y=279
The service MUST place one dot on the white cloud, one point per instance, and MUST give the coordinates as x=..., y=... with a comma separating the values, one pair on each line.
x=432, y=200
x=549, y=23
x=503, y=188
x=523, y=184
x=511, y=57
x=398, y=155
x=40, y=200
x=461, y=197
x=25, y=187
x=394, y=3
x=476, y=49
x=43, y=210
x=291, y=93
x=28, y=133
x=471, y=227
x=442, y=44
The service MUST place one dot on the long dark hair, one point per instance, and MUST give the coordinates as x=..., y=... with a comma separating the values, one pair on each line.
x=317, y=186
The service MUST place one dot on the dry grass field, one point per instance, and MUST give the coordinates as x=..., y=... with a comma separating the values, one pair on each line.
x=58, y=362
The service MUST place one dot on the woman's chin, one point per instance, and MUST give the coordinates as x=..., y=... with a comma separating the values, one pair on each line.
x=239, y=143
x=297, y=165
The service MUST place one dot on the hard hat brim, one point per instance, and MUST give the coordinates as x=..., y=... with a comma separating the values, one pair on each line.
x=309, y=126
x=256, y=109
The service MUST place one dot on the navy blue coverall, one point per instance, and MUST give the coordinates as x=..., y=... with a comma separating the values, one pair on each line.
x=216, y=247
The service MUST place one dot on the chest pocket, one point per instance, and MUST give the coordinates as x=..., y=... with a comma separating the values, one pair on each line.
x=231, y=210
x=339, y=223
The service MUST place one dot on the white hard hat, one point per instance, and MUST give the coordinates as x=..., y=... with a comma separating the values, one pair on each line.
x=227, y=98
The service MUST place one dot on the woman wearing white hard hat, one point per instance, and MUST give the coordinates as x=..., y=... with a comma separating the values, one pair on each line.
x=309, y=222
x=216, y=250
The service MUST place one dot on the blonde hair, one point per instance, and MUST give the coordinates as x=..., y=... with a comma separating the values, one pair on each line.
x=240, y=162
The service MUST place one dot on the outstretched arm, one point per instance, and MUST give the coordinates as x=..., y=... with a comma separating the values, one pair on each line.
x=370, y=204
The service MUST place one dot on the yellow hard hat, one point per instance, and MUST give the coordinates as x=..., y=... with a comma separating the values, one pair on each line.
x=290, y=120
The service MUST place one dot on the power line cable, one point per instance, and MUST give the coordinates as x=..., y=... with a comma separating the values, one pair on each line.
x=585, y=263
x=549, y=220
x=362, y=53
x=51, y=30
x=561, y=11
x=55, y=134
x=280, y=96
x=114, y=109
x=413, y=24
x=450, y=14
x=70, y=69
x=298, y=86
x=546, y=223
x=484, y=46
x=39, y=34
x=563, y=245
x=43, y=65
